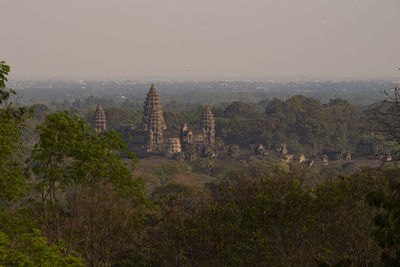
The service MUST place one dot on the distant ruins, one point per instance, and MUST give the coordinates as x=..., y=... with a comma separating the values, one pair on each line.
x=153, y=136
x=280, y=151
x=153, y=123
x=100, y=123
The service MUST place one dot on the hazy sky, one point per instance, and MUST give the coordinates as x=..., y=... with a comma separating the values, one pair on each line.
x=200, y=38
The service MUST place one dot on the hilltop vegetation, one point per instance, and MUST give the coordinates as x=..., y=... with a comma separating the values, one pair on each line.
x=72, y=197
x=305, y=124
x=309, y=124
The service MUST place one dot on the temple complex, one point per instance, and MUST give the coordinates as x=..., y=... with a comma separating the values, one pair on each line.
x=153, y=136
x=100, y=124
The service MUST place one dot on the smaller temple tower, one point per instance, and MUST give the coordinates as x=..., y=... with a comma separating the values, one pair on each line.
x=100, y=124
x=207, y=125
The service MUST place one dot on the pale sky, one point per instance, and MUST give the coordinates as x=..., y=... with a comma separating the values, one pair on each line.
x=200, y=38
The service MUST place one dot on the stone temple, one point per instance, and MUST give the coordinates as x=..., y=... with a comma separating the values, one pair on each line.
x=153, y=121
x=153, y=135
x=207, y=125
x=100, y=123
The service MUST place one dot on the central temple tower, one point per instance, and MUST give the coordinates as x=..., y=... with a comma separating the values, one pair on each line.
x=153, y=121
x=207, y=125
x=100, y=124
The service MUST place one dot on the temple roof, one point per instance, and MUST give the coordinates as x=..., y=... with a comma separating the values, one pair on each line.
x=153, y=114
x=100, y=119
x=153, y=89
x=99, y=108
x=207, y=118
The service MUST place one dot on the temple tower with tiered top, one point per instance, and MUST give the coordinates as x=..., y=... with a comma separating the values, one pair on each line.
x=153, y=121
x=100, y=124
x=207, y=125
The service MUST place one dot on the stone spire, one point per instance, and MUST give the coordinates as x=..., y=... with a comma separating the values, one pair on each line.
x=207, y=125
x=100, y=124
x=153, y=121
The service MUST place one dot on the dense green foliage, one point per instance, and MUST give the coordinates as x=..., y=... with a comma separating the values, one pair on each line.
x=305, y=122
x=306, y=125
x=32, y=249
x=273, y=221
x=12, y=182
x=387, y=221
x=21, y=243
x=74, y=198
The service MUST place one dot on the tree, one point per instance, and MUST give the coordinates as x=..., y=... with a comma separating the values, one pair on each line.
x=12, y=180
x=204, y=165
x=73, y=164
x=166, y=243
x=32, y=249
x=173, y=118
x=276, y=220
x=192, y=117
x=387, y=221
x=389, y=120
x=307, y=126
x=234, y=151
x=40, y=111
x=118, y=117
x=240, y=110
x=21, y=243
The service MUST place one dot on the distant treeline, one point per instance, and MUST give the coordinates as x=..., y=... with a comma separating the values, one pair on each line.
x=305, y=124
x=69, y=199
x=210, y=92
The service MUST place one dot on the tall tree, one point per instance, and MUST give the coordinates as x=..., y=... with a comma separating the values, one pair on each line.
x=12, y=181
x=73, y=164
x=389, y=120
x=20, y=243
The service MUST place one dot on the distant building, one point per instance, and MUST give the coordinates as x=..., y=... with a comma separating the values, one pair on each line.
x=299, y=158
x=153, y=121
x=153, y=136
x=260, y=150
x=387, y=158
x=100, y=120
x=325, y=160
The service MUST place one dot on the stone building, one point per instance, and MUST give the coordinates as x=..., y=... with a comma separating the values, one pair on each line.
x=203, y=139
x=173, y=146
x=260, y=150
x=300, y=158
x=386, y=158
x=153, y=136
x=153, y=121
x=325, y=160
x=100, y=123
x=207, y=126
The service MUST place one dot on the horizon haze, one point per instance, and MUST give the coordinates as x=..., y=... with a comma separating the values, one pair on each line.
x=46, y=39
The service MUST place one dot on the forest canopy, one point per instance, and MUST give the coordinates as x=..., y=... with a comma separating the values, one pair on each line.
x=70, y=196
